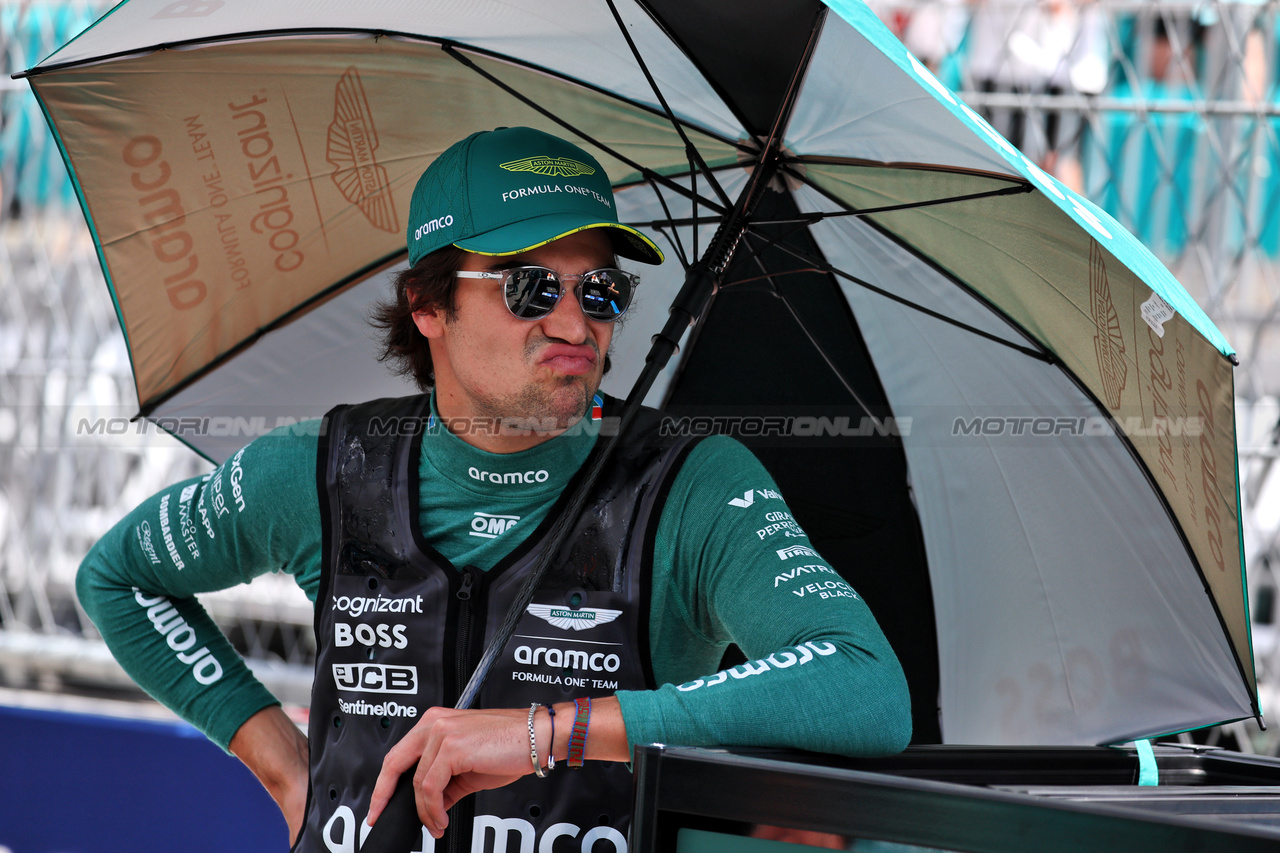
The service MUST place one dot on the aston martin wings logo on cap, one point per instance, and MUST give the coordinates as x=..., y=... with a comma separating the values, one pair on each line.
x=556, y=167
x=575, y=620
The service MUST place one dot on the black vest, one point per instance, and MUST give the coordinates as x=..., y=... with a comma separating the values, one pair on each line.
x=399, y=629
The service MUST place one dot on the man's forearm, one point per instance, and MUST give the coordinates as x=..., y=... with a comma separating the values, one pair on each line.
x=169, y=646
x=138, y=583
x=821, y=696
x=820, y=674
x=275, y=750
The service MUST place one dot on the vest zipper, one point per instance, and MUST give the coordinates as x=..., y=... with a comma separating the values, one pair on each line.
x=466, y=616
x=463, y=813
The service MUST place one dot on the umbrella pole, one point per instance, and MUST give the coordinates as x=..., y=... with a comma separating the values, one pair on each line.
x=398, y=827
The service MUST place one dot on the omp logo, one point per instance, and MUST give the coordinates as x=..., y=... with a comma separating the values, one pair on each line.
x=573, y=620
x=375, y=678
x=749, y=497
x=539, y=476
x=560, y=167
x=352, y=142
x=1108, y=343
x=796, y=551
x=489, y=526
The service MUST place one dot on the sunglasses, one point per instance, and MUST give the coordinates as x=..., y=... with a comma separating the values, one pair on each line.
x=533, y=292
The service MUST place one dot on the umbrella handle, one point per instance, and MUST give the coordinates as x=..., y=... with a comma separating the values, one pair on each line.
x=398, y=827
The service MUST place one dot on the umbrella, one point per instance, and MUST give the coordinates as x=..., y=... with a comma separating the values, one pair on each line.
x=991, y=408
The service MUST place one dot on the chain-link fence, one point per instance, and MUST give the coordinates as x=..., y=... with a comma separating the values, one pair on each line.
x=1166, y=114
x=72, y=460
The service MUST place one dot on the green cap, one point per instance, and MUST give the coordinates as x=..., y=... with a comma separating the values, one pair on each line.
x=504, y=191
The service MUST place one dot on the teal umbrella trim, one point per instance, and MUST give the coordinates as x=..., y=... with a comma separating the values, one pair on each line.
x=1244, y=575
x=93, y=231
x=100, y=19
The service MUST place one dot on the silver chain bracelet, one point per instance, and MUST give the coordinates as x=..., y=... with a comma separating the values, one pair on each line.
x=533, y=744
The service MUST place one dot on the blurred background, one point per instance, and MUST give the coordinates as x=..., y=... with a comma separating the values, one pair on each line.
x=1166, y=114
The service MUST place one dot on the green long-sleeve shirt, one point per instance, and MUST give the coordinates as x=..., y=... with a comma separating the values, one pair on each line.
x=730, y=566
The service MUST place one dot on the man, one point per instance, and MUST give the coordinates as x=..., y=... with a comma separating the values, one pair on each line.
x=412, y=522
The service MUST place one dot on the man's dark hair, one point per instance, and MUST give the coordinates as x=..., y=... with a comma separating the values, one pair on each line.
x=428, y=284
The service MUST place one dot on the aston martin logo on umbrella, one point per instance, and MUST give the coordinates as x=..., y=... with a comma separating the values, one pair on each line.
x=352, y=142
x=1108, y=343
x=573, y=620
x=556, y=167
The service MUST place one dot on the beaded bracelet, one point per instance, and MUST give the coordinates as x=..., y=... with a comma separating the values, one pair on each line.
x=578, y=737
x=533, y=744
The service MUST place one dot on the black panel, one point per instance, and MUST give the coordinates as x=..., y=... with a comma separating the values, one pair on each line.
x=748, y=49
x=849, y=492
x=989, y=800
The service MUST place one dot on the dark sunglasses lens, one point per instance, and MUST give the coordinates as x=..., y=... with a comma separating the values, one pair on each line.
x=605, y=294
x=532, y=293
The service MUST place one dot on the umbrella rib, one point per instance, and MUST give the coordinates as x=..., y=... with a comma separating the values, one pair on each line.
x=818, y=266
x=810, y=218
x=690, y=150
x=648, y=173
x=693, y=185
x=835, y=369
x=674, y=236
x=945, y=273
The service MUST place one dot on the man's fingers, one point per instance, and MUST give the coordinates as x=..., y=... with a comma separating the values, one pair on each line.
x=429, y=783
x=402, y=756
x=457, y=754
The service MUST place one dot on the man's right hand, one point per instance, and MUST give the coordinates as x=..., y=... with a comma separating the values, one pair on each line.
x=277, y=752
x=460, y=752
